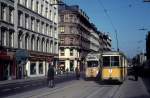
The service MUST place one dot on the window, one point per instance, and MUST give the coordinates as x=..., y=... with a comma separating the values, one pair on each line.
x=3, y=37
x=46, y=12
x=32, y=43
x=55, y=48
x=37, y=7
x=111, y=61
x=40, y=68
x=38, y=25
x=26, y=21
x=20, y=1
x=32, y=24
x=20, y=41
x=71, y=18
x=51, y=46
x=71, y=41
x=62, y=53
x=106, y=61
x=11, y=15
x=66, y=17
x=38, y=44
x=50, y=15
x=42, y=46
x=3, y=12
x=51, y=31
x=71, y=52
x=114, y=60
x=33, y=68
x=62, y=41
x=26, y=2
x=42, y=27
x=62, y=18
x=26, y=41
x=62, y=29
x=19, y=19
x=55, y=32
x=92, y=63
x=47, y=46
x=46, y=29
x=55, y=17
x=71, y=29
x=32, y=6
x=41, y=9
x=11, y=39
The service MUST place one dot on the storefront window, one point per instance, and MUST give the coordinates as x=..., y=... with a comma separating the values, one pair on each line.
x=40, y=68
x=33, y=69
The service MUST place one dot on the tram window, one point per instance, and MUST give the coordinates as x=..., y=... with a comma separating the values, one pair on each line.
x=106, y=61
x=92, y=63
x=115, y=61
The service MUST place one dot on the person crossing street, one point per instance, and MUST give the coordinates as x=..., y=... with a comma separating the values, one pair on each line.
x=50, y=76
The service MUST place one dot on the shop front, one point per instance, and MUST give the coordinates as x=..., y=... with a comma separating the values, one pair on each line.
x=7, y=65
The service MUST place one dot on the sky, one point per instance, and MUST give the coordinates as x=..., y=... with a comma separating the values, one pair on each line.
x=128, y=17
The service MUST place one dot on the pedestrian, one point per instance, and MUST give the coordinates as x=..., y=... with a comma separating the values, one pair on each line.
x=50, y=76
x=77, y=72
x=135, y=69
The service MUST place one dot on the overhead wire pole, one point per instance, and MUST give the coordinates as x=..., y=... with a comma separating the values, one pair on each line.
x=115, y=30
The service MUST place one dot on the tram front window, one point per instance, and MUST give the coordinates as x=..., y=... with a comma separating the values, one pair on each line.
x=92, y=63
x=106, y=61
x=115, y=61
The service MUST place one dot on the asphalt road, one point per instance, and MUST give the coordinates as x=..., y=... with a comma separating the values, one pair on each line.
x=19, y=87
x=90, y=89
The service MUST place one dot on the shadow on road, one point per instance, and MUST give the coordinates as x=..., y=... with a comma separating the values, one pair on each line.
x=108, y=82
x=142, y=96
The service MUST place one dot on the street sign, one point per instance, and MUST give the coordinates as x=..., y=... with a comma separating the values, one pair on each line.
x=22, y=56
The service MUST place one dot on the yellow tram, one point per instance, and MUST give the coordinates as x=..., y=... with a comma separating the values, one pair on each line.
x=92, y=65
x=114, y=66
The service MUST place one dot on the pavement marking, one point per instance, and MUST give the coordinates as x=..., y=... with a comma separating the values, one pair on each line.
x=17, y=87
x=5, y=90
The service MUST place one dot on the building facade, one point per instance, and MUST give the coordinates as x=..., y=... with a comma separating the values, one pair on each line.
x=77, y=35
x=148, y=46
x=32, y=26
x=106, y=42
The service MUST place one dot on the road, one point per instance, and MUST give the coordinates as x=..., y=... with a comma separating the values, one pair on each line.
x=28, y=85
x=89, y=89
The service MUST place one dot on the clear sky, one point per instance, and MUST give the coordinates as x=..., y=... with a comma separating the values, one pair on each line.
x=128, y=17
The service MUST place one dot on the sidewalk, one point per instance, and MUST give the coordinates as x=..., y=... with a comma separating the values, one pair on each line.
x=146, y=81
x=132, y=89
x=28, y=79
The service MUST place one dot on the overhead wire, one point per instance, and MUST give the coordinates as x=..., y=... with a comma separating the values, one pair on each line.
x=111, y=22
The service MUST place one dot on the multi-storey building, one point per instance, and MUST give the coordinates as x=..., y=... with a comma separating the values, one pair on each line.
x=77, y=36
x=106, y=42
x=30, y=26
x=94, y=39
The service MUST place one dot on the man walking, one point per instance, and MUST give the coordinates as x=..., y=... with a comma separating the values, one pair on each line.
x=77, y=72
x=135, y=68
x=50, y=76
